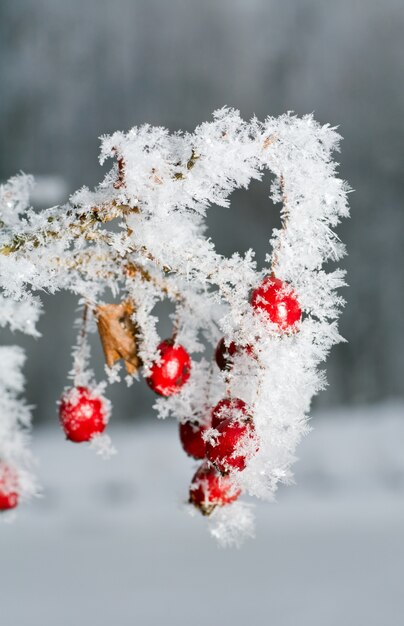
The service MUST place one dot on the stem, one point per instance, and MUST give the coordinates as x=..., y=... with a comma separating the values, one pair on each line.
x=285, y=220
x=81, y=345
x=85, y=224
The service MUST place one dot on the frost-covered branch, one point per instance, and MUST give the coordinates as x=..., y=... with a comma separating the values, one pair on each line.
x=139, y=238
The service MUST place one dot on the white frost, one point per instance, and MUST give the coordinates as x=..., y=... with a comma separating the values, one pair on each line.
x=159, y=199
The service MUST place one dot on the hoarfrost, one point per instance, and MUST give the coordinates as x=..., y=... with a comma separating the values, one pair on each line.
x=158, y=192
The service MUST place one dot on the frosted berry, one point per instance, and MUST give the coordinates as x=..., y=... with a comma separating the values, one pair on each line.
x=234, y=444
x=210, y=489
x=224, y=354
x=82, y=414
x=277, y=300
x=191, y=436
x=229, y=408
x=8, y=488
x=172, y=372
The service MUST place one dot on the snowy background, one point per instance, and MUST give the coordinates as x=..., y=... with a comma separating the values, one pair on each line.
x=108, y=542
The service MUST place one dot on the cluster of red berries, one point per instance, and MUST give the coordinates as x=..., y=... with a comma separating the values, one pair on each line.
x=234, y=440
x=83, y=414
x=226, y=450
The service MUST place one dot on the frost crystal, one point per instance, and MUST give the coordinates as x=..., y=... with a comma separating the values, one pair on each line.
x=231, y=525
x=157, y=193
x=102, y=445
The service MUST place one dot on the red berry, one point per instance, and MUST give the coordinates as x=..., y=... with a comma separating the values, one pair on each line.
x=191, y=436
x=232, y=447
x=8, y=488
x=210, y=489
x=81, y=414
x=229, y=408
x=277, y=300
x=224, y=354
x=172, y=372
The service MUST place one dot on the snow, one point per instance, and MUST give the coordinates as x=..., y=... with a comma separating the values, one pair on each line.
x=109, y=544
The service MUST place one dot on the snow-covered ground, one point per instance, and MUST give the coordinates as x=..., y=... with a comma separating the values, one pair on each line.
x=110, y=545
